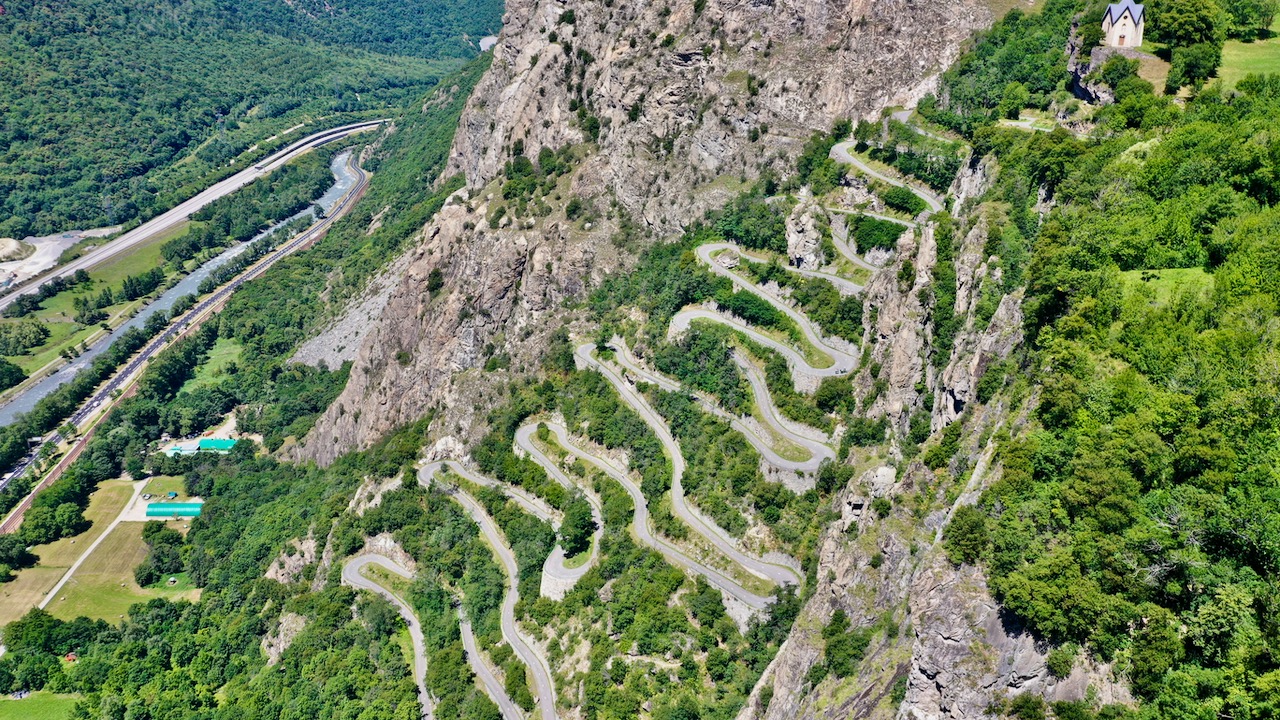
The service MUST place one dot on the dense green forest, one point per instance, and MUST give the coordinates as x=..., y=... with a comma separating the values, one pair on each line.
x=1138, y=518
x=418, y=28
x=342, y=664
x=166, y=95
x=267, y=317
x=1136, y=515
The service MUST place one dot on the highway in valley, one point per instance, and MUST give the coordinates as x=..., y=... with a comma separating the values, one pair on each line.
x=97, y=405
x=184, y=210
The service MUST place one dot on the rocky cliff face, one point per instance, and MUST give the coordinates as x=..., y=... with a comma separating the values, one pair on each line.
x=686, y=100
x=942, y=648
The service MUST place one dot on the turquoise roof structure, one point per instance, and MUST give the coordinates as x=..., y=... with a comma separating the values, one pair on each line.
x=174, y=509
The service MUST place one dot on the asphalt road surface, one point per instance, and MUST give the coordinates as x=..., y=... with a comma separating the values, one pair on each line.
x=810, y=439
x=190, y=320
x=840, y=153
x=567, y=577
x=543, y=687
x=48, y=598
x=683, y=319
x=181, y=212
x=351, y=576
x=714, y=534
x=843, y=284
x=841, y=360
x=644, y=532
x=493, y=687
x=840, y=236
x=554, y=566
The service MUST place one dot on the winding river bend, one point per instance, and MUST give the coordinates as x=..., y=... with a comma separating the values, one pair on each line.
x=344, y=180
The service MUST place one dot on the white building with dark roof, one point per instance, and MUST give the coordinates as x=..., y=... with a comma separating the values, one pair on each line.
x=1123, y=23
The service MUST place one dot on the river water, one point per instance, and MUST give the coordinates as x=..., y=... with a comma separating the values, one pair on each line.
x=344, y=179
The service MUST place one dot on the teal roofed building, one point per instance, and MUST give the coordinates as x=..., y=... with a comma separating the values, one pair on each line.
x=218, y=445
x=174, y=509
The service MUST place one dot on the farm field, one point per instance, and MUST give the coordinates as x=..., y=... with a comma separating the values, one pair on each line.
x=38, y=706
x=104, y=586
x=31, y=585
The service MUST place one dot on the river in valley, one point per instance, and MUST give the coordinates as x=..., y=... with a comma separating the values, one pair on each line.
x=344, y=179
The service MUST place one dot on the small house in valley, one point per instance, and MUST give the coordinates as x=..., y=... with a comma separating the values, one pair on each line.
x=1123, y=23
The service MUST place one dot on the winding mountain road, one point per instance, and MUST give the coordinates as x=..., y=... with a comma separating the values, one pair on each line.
x=544, y=688
x=778, y=573
x=841, y=153
x=352, y=576
x=684, y=319
x=554, y=566
x=809, y=439
x=643, y=530
x=844, y=285
x=494, y=688
x=840, y=236
x=840, y=359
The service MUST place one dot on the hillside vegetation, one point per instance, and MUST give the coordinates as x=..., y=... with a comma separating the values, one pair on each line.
x=1131, y=513
x=1137, y=516
x=115, y=110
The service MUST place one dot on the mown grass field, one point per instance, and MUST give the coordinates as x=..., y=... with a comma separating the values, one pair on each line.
x=25, y=592
x=1154, y=70
x=1241, y=58
x=1164, y=285
x=161, y=484
x=225, y=352
x=1000, y=8
x=104, y=586
x=32, y=584
x=38, y=706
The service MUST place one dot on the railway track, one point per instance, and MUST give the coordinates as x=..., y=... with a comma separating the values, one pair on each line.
x=97, y=405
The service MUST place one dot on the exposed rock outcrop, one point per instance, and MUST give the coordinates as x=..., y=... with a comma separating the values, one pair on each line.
x=981, y=340
x=965, y=653
x=974, y=179
x=940, y=634
x=385, y=544
x=288, y=567
x=682, y=123
x=899, y=334
x=804, y=238
x=281, y=637
x=341, y=339
x=736, y=89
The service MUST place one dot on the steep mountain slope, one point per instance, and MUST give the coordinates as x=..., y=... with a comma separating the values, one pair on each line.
x=671, y=109
x=1045, y=389
x=115, y=109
